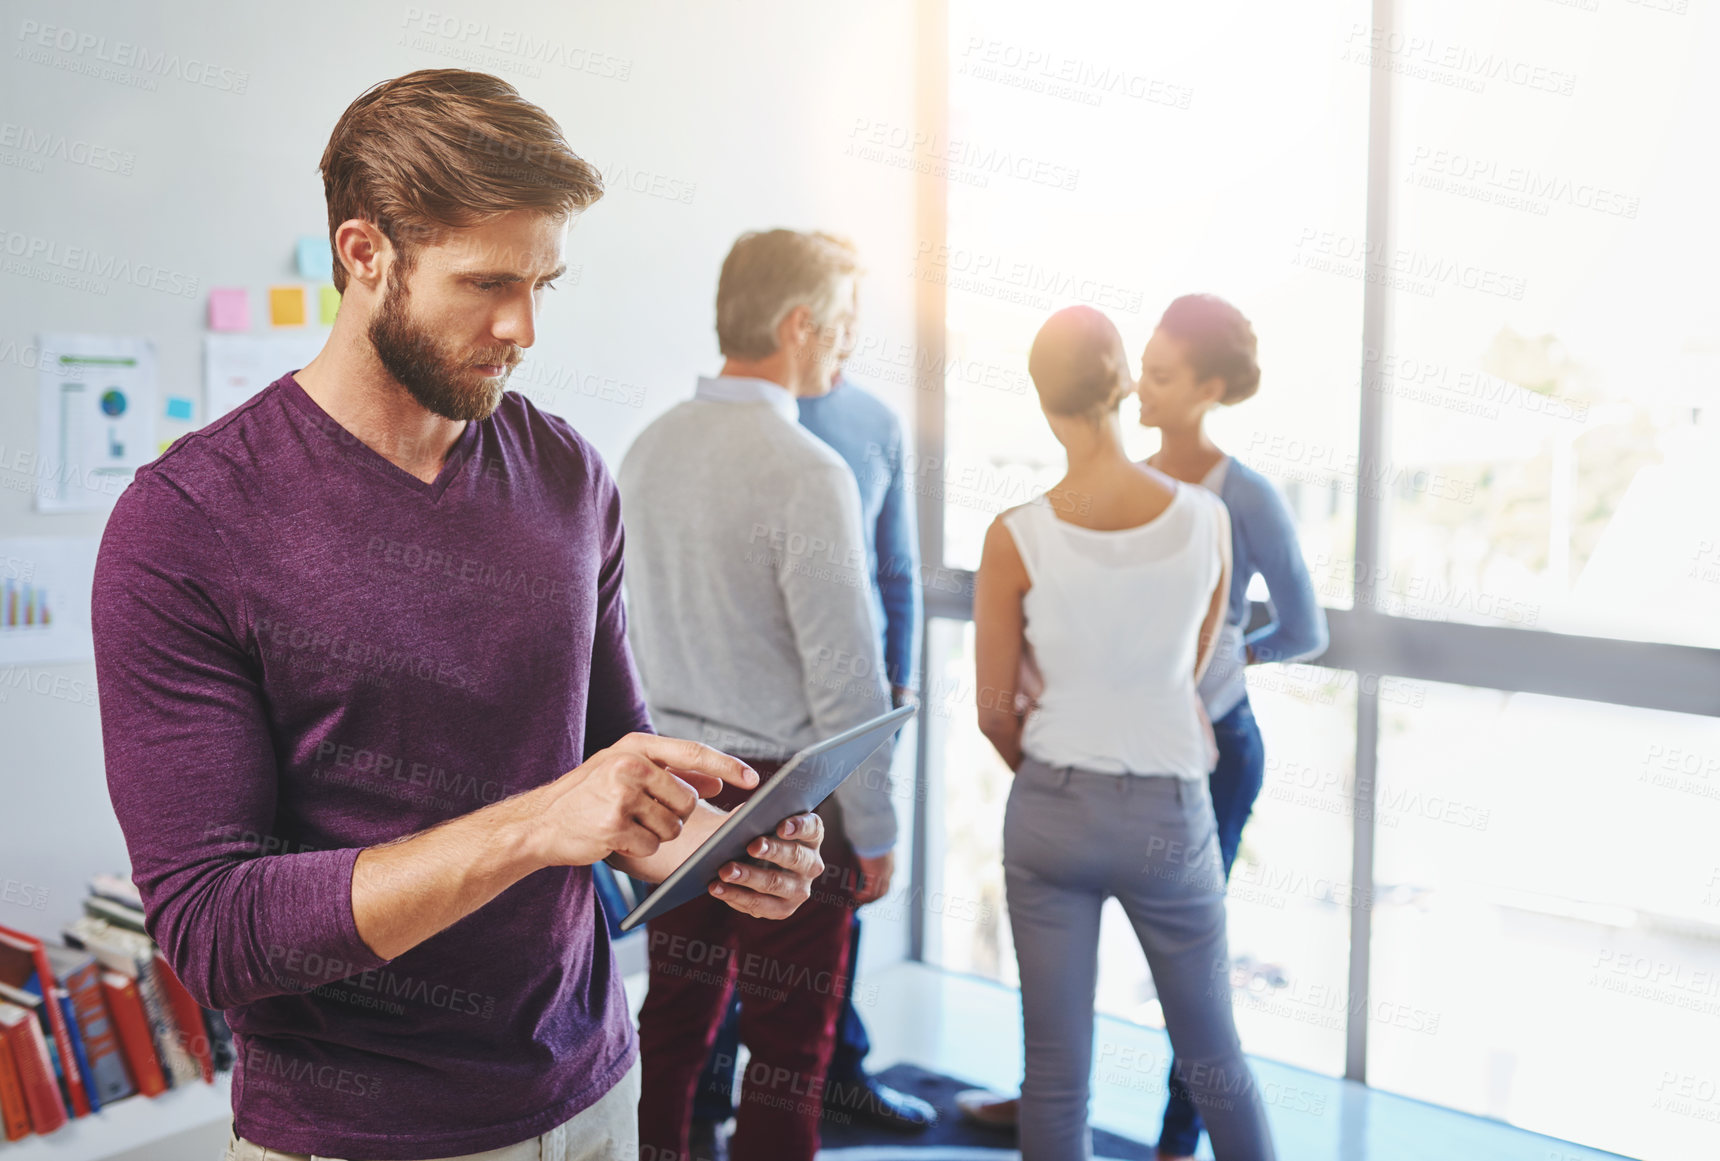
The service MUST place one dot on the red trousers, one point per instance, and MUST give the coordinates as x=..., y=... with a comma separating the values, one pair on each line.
x=791, y=975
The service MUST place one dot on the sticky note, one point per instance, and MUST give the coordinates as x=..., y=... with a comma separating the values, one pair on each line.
x=163, y=446
x=328, y=303
x=229, y=308
x=287, y=306
x=315, y=259
x=178, y=408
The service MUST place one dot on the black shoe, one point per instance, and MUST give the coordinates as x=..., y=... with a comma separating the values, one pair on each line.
x=708, y=1142
x=867, y=1099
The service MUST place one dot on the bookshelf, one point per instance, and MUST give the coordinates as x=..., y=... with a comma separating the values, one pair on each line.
x=128, y=1124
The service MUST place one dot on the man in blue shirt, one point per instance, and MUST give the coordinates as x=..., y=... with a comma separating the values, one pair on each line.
x=865, y=432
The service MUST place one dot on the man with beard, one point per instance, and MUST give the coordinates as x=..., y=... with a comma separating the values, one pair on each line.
x=367, y=703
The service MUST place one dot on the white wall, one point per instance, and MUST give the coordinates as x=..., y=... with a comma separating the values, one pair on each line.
x=747, y=103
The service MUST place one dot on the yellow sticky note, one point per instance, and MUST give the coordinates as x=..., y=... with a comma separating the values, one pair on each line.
x=328, y=303
x=163, y=446
x=287, y=306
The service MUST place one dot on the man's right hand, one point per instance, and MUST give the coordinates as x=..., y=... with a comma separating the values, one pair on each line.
x=629, y=799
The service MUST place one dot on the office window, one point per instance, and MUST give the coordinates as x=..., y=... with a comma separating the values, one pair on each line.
x=1554, y=344
x=967, y=923
x=1475, y=242
x=1124, y=159
x=1547, y=898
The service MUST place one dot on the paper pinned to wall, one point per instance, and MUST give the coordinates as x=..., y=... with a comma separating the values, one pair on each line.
x=45, y=586
x=96, y=397
x=236, y=367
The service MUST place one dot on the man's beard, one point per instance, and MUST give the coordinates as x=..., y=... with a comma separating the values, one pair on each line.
x=441, y=381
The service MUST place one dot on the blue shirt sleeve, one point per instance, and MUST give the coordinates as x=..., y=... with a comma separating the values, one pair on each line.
x=1298, y=626
x=897, y=545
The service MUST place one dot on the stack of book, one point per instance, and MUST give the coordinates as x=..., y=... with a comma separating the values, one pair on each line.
x=97, y=1019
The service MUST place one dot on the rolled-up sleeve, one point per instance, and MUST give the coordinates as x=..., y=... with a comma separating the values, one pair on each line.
x=191, y=766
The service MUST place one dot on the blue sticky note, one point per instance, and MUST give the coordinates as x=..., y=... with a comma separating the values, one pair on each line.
x=178, y=408
x=316, y=261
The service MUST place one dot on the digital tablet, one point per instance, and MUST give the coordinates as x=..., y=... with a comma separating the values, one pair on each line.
x=806, y=780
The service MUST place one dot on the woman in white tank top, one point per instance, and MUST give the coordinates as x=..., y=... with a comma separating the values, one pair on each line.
x=1112, y=618
x=1096, y=608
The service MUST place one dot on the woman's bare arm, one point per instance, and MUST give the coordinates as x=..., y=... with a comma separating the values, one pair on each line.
x=999, y=587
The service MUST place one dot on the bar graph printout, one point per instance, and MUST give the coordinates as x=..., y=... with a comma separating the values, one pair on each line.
x=45, y=600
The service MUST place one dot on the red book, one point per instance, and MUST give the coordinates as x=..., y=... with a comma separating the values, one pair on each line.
x=188, y=1016
x=14, y=1112
x=14, y=947
x=132, y=1026
x=23, y=1035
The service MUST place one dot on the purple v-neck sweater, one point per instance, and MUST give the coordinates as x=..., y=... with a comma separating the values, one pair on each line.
x=303, y=650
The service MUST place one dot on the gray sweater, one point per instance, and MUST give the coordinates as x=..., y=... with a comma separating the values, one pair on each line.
x=749, y=605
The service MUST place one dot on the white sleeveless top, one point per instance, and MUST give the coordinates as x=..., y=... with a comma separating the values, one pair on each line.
x=1113, y=619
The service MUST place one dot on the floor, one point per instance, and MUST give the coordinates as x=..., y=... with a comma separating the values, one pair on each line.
x=971, y=1028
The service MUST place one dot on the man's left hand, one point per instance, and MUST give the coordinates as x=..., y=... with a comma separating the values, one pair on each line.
x=776, y=891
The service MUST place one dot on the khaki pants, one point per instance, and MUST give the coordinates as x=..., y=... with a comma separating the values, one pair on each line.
x=607, y=1131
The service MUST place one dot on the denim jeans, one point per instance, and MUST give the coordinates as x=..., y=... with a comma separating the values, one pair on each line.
x=1235, y=783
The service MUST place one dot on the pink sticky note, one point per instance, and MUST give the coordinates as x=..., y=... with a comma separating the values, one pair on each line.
x=229, y=308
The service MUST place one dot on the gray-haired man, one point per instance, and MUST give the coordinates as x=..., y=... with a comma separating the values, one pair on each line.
x=755, y=632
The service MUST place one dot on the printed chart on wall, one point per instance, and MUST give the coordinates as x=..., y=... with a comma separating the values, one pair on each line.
x=96, y=422
x=45, y=598
x=236, y=367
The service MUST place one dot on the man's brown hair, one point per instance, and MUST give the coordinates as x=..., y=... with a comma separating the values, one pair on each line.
x=442, y=149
